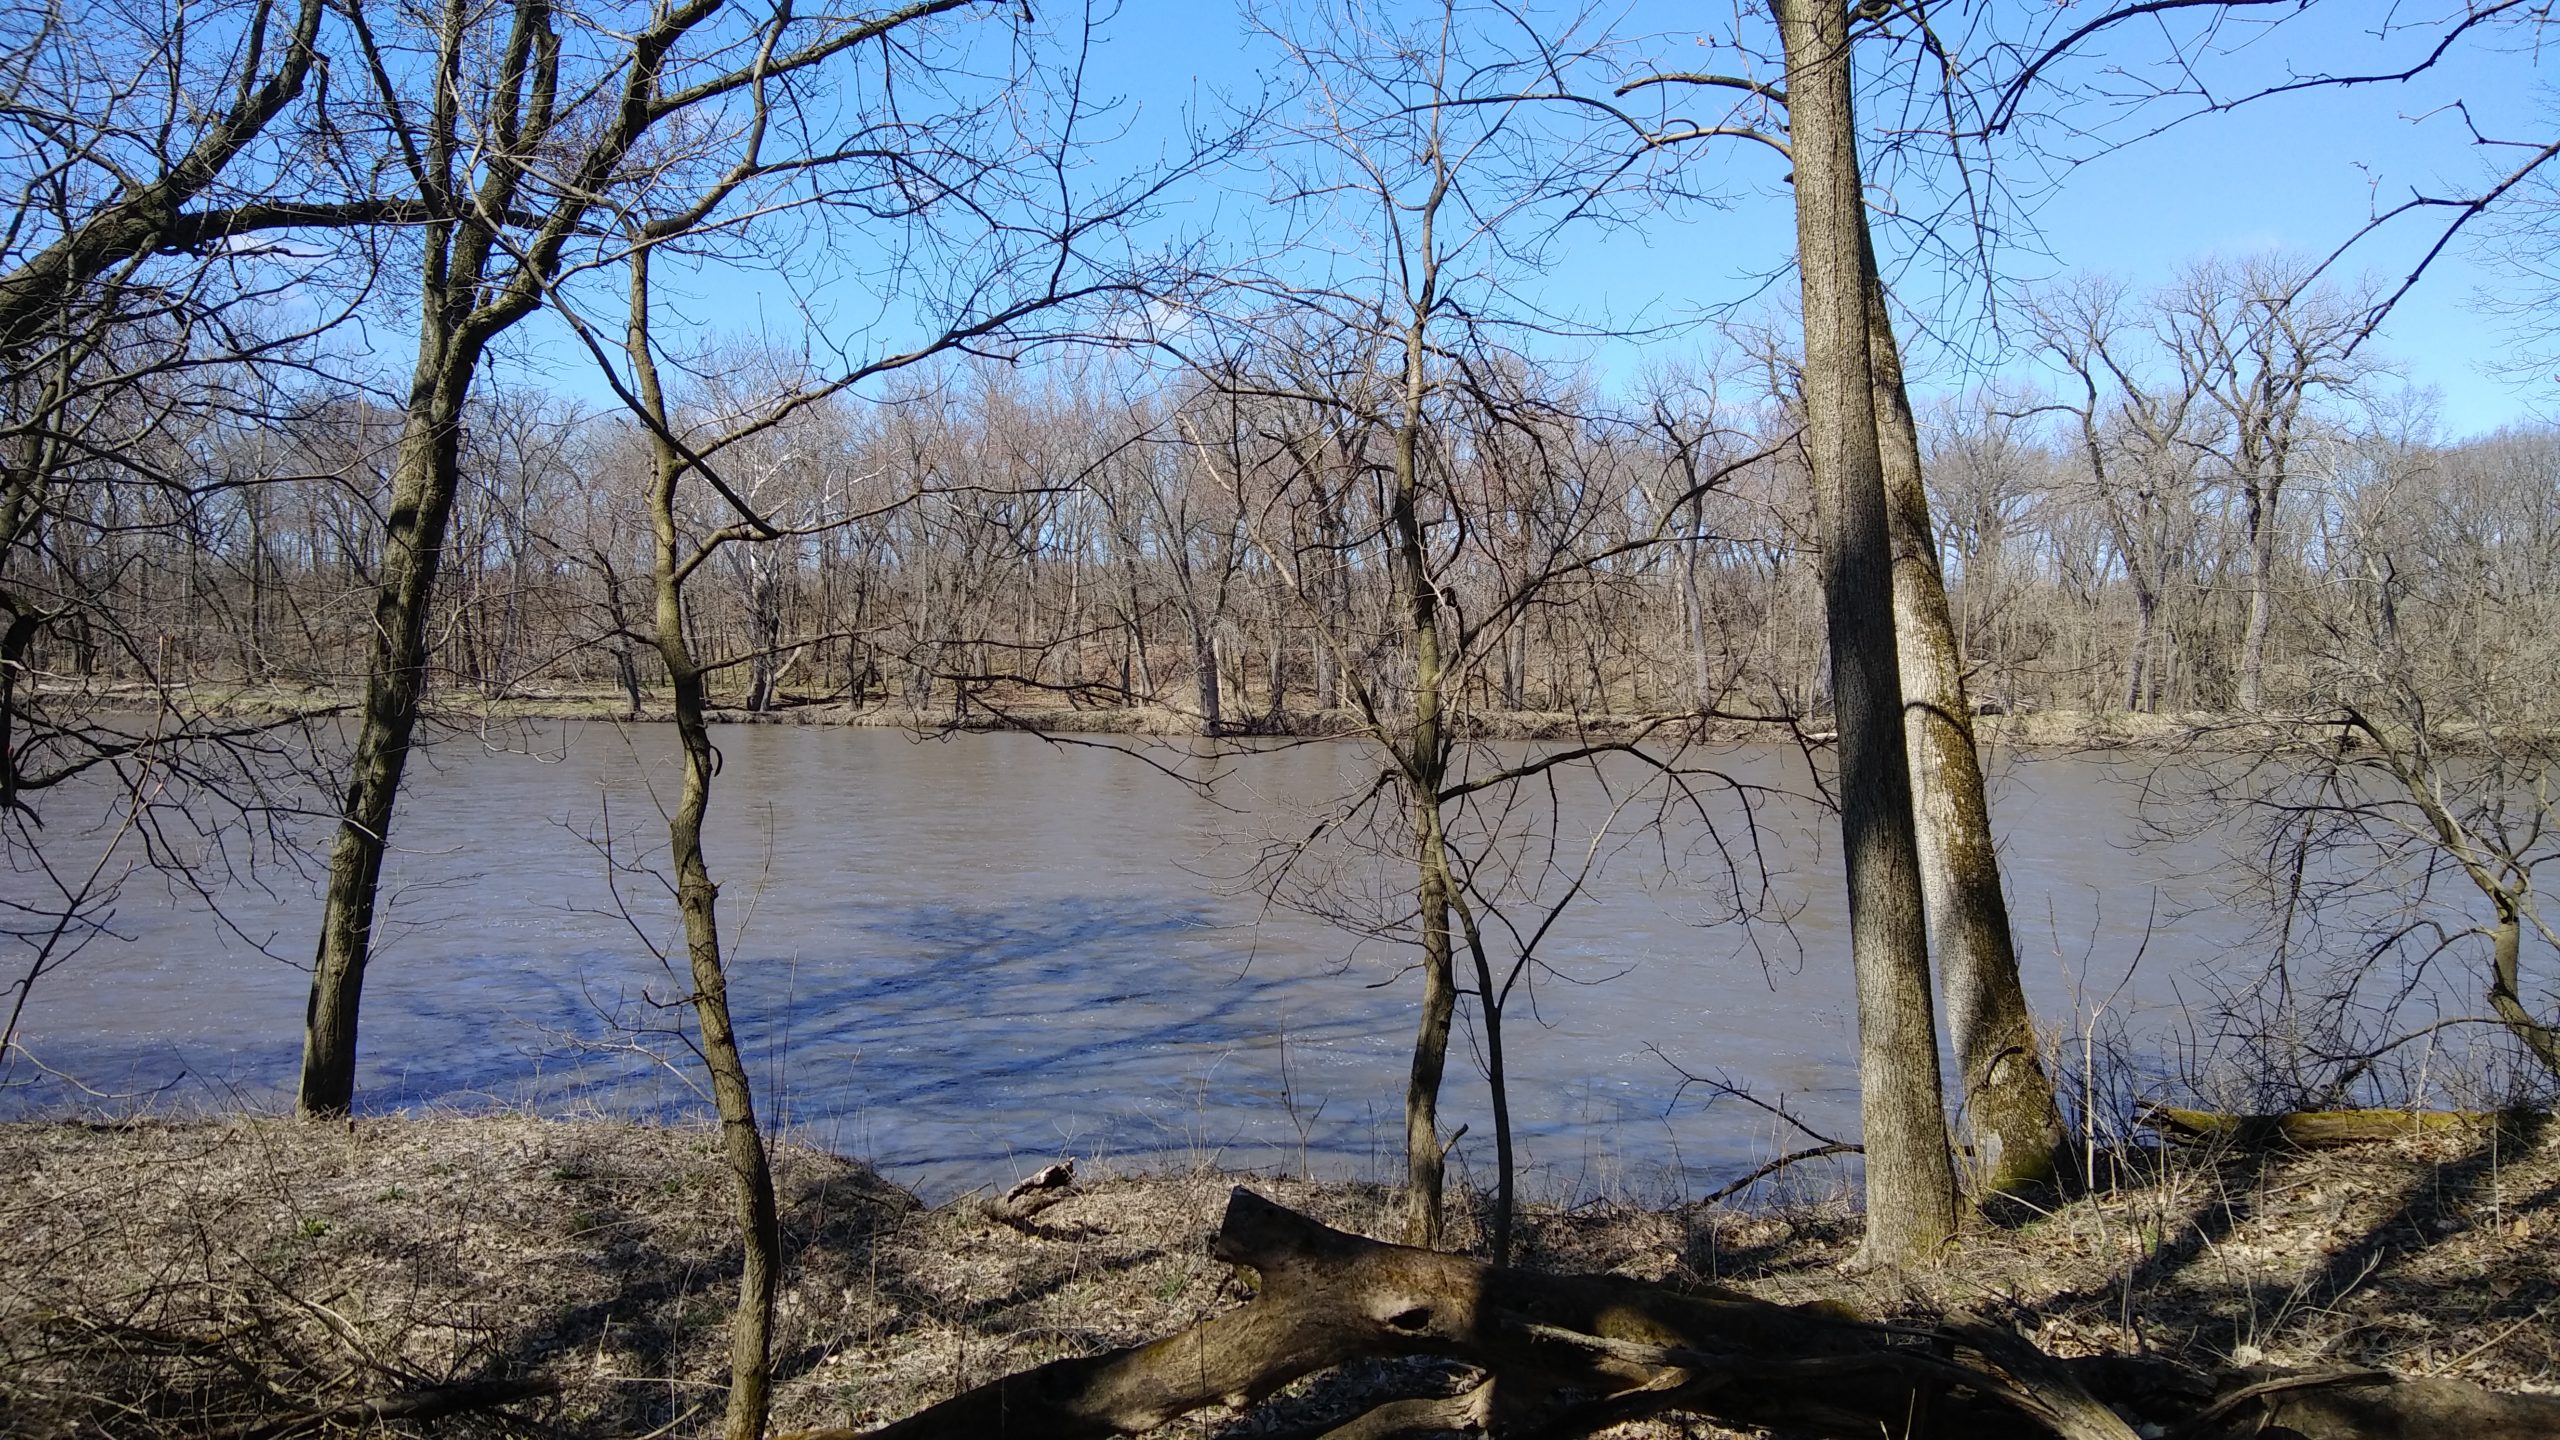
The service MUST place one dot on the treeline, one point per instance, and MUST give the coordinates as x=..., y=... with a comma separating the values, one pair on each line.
x=2198, y=514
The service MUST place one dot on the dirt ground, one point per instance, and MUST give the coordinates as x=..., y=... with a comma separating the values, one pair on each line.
x=233, y=1278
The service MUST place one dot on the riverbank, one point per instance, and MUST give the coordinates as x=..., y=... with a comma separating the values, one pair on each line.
x=1021, y=708
x=211, y=1277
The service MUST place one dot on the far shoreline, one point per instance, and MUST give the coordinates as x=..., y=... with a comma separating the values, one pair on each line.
x=2037, y=731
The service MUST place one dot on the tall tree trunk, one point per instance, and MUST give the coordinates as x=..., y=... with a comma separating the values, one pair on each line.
x=2262, y=559
x=2008, y=1098
x=1276, y=665
x=426, y=473
x=1425, y=767
x=1490, y=995
x=1911, y=1195
x=253, y=656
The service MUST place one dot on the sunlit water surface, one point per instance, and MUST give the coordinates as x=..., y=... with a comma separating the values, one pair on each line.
x=961, y=957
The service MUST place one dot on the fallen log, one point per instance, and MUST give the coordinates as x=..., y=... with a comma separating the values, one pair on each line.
x=1564, y=1355
x=1569, y=1353
x=2372, y=1405
x=2311, y=1129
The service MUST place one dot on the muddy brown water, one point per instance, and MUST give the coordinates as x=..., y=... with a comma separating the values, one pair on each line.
x=961, y=957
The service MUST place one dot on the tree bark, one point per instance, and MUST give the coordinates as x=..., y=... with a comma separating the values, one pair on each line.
x=1911, y=1195
x=1426, y=1157
x=2008, y=1098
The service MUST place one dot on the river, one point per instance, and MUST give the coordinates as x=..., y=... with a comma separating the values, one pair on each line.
x=961, y=957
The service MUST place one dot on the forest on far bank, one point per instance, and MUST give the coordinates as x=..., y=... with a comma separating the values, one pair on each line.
x=1111, y=537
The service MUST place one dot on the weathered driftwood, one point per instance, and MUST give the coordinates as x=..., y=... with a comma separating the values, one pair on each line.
x=1017, y=1207
x=2312, y=1129
x=1564, y=1355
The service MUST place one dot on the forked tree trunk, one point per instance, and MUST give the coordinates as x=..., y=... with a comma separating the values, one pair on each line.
x=1911, y=1194
x=2008, y=1099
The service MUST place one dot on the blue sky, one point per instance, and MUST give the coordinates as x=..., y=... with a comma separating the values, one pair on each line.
x=2296, y=174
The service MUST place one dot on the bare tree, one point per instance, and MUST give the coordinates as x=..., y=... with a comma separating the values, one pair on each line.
x=676, y=557
x=514, y=129
x=2138, y=460
x=1417, y=145
x=2260, y=342
x=1991, y=479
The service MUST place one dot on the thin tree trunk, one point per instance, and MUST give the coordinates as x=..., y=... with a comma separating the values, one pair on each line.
x=1425, y=1156
x=1693, y=605
x=1425, y=766
x=1204, y=666
x=1911, y=1196
x=697, y=900
x=1276, y=668
x=2008, y=1098
x=1489, y=1001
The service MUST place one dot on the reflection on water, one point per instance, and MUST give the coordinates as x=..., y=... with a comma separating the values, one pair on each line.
x=959, y=957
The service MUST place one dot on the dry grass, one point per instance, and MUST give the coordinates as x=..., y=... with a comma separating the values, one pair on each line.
x=2430, y=1256
x=227, y=1277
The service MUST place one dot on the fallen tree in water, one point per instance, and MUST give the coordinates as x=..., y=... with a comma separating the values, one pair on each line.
x=1565, y=1355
